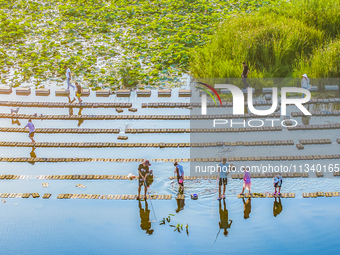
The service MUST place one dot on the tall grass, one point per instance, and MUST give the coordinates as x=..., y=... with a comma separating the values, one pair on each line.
x=269, y=44
x=321, y=14
x=324, y=63
x=283, y=40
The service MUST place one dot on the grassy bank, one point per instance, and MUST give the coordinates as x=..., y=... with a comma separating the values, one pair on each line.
x=282, y=40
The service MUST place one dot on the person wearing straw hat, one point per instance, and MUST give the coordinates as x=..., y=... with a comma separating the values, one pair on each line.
x=143, y=171
x=305, y=83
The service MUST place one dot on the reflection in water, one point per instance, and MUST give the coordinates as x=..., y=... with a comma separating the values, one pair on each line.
x=224, y=223
x=145, y=218
x=33, y=155
x=180, y=205
x=247, y=207
x=277, y=207
x=16, y=122
x=70, y=109
x=305, y=120
x=80, y=121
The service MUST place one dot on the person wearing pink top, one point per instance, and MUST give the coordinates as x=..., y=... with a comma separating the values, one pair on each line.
x=246, y=180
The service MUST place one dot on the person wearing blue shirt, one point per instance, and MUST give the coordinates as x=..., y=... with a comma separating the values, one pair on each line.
x=180, y=176
x=223, y=171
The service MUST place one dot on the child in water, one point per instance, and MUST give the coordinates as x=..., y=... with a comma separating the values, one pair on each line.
x=246, y=180
x=277, y=180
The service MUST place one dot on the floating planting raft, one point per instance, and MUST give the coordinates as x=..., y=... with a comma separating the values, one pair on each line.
x=64, y=105
x=134, y=117
x=126, y=177
x=133, y=145
x=132, y=160
x=161, y=197
x=63, y=130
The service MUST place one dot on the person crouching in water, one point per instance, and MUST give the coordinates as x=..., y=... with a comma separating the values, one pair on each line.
x=180, y=176
x=277, y=180
x=246, y=180
x=223, y=171
x=143, y=171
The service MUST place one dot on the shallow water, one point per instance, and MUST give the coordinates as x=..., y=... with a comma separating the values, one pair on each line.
x=54, y=226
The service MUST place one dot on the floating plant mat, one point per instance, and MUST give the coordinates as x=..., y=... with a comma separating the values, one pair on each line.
x=106, y=43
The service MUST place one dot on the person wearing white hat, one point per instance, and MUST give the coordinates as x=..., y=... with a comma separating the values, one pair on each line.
x=305, y=83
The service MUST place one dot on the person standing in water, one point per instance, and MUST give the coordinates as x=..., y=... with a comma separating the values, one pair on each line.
x=246, y=180
x=31, y=129
x=68, y=78
x=180, y=176
x=244, y=75
x=143, y=171
x=277, y=180
x=223, y=171
x=305, y=83
x=78, y=93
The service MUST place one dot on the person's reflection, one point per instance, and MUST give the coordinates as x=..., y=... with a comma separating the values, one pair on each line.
x=145, y=218
x=33, y=155
x=277, y=207
x=305, y=120
x=80, y=121
x=224, y=223
x=16, y=122
x=70, y=109
x=247, y=207
x=180, y=205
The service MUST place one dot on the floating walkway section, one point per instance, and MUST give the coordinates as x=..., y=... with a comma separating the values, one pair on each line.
x=133, y=160
x=320, y=194
x=240, y=176
x=23, y=195
x=228, y=104
x=314, y=127
x=169, y=130
x=126, y=177
x=64, y=105
x=271, y=175
x=202, y=130
x=134, y=117
x=160, y=197
x=62, y=130
x=112, y=197
x=264, y=195
x=134, y=145
x=318, y=113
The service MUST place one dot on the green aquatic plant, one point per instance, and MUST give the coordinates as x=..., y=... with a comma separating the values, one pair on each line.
x=93, y=35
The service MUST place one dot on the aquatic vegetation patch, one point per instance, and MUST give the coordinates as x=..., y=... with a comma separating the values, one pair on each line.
x=107, y=43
